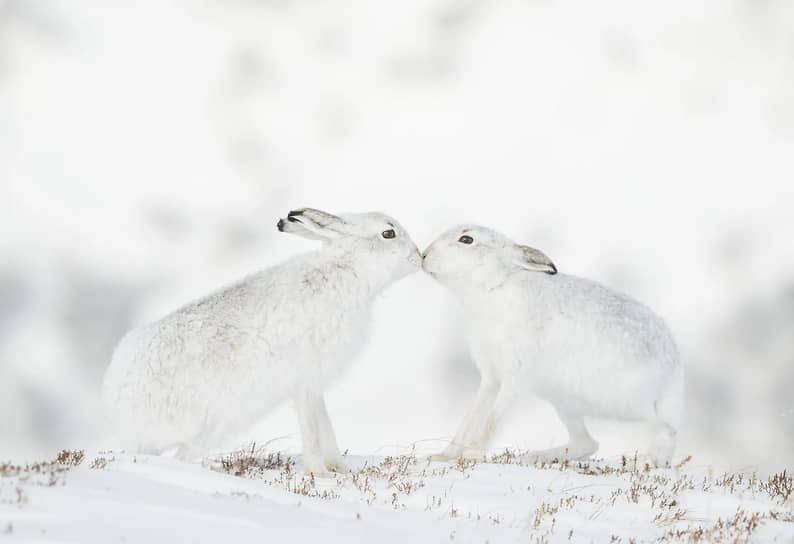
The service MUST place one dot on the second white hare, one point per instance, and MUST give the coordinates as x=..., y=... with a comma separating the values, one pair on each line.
x=586, y=349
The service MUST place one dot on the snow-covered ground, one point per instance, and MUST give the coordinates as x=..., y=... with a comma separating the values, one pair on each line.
x=258, y=496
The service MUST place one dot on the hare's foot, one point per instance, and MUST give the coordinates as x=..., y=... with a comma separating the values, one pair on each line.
x=442, y=457
x=550, y=455
x=324, y=467
x=313, y=465
x=569, y=452
x=468, y=454
x=453, y=452
x=580, y=444
x=662, y=446
x=450, y=453
x=473, y=454
x=445, y=458
x=336, y=464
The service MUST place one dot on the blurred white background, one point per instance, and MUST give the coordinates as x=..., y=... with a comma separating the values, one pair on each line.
x=148, y=148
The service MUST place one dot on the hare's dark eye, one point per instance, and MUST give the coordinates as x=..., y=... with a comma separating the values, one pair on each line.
x=388, y=233
x=465, y=239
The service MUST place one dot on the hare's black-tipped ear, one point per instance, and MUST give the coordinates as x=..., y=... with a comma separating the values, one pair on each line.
x=317, y=218
x=311, y=223
x=533, y=259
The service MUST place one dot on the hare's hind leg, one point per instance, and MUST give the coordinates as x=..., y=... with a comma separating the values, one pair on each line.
x=580, y=444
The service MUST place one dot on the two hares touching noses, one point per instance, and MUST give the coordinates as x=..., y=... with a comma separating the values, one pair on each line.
x=217, y=365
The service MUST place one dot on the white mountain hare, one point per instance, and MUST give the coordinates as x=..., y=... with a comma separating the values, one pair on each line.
x=586, y=349
x=217, y=365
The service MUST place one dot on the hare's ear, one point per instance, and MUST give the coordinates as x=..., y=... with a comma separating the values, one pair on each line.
x=533, y=259
x=311, y=223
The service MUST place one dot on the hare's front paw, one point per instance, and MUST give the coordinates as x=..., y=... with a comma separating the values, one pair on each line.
x=473, y=454
x=442, y=457
x=453, y=455
x=324, y=468
x=336, y=465
x=570, y=452
x=314, y=465
x=551, y=455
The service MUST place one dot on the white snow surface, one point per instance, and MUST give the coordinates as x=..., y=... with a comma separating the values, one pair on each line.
x=117, y=497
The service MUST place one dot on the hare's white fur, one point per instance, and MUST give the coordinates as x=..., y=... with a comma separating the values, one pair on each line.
x=586, y=349
x=219, y=364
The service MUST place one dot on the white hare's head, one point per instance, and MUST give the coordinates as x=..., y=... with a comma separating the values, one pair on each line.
x=471, y=255
x=377, y=242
